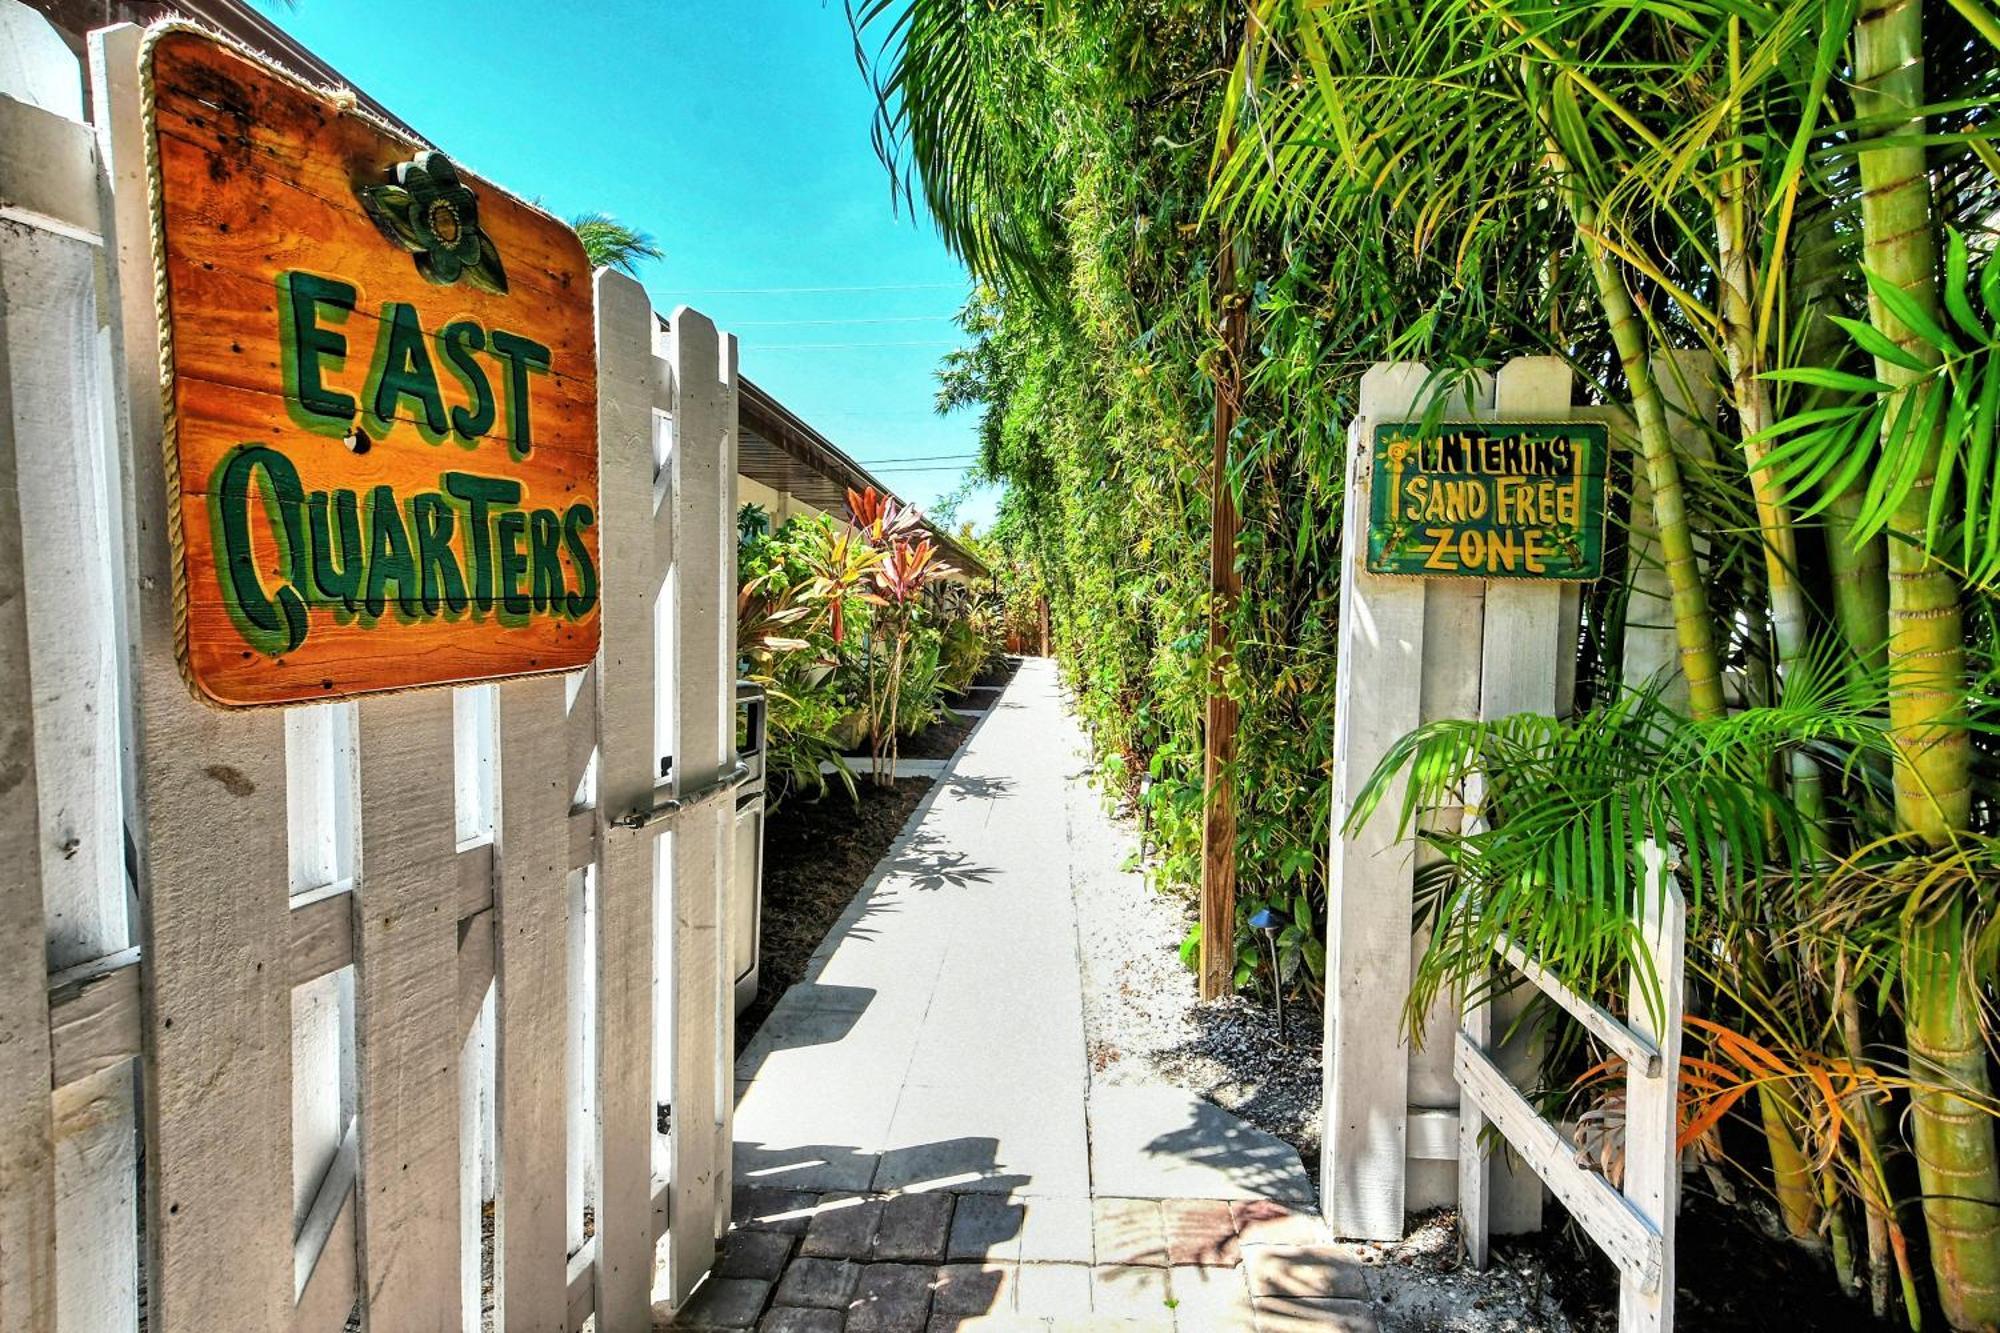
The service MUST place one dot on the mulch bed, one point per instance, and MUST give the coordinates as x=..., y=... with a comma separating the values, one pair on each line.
x=1733, y=1275
x=940, y=740
x=816, y=856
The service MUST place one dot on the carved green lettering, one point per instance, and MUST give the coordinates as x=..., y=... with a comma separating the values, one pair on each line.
x=511, y=527
x=271, y=622
x=342, y=582
x=575, y=523
x=307, y=347
x=457, y=342
x=437, y=567
x=524, y=356
x=403, y=370
x=389, y=558
x=479, y=494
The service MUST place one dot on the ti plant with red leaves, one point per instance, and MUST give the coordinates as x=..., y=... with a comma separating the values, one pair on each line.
x=906, y=562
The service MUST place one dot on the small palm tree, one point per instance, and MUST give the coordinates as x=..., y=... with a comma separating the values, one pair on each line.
x=613, y=244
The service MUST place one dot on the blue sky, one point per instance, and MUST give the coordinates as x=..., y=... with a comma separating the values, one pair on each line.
x=737, y=134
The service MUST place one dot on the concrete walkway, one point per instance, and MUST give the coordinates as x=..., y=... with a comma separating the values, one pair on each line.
x=917, y=1142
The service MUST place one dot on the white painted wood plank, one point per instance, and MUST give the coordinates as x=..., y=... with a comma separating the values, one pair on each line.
x=1454, y=631
x=702, y=844
x=475, y=967
x=1521, y=670
x=212, y=849
x=728, y=843
x=627, y=385
x=473, y=1107
x=582, y=1285
x=1607, y=1027
x=1369, y=890
x=580, y=1102
x=60, y=396
x=93, y=1017
x=28, y=1185
x=36, y=66
x=1652, y=1122
x=406, y=1013
x=1605, y=1214
x=531, y=933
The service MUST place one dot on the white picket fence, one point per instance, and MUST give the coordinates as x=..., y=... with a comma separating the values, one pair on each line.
x=392, y=992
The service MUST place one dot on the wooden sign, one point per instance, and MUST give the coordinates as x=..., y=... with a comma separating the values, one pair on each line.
x=381, y=398
x=1488, y=500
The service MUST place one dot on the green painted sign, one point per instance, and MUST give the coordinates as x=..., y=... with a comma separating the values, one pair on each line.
x=1488, y=500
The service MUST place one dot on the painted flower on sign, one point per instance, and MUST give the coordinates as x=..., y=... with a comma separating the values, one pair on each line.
x=434, y=215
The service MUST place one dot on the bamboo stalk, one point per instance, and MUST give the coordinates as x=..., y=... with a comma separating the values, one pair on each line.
x=1692, y=629
x=1953, y=1139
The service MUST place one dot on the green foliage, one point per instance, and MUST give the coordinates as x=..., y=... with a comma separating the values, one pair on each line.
x=1080, y=178
x=610, y=243
x=820, y=671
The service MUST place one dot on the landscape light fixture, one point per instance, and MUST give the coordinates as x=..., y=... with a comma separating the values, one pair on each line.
x=1270, y=923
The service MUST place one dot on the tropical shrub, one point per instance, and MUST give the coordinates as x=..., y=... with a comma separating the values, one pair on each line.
x=846, y=629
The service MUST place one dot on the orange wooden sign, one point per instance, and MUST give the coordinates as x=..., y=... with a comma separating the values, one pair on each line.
x=381, y=399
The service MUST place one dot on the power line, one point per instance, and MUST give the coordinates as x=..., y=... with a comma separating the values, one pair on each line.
x=884, y=319
x=828, y=347
x=790, y=291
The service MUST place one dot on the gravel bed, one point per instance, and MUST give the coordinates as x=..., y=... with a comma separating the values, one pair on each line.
x=1144, y=1021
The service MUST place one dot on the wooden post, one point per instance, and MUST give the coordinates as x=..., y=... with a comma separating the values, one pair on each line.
x=1225, y=586
x=63, y=894
x=1652, y=1128
x=218, y=991
x=1369, y=890
x=1524, y=642
x=633, y=386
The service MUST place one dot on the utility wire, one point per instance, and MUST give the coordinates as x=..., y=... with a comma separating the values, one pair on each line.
x=883, y=319
x=788, y=291
x=827, y=347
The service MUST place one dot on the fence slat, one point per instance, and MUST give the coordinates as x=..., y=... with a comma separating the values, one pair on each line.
x=1369, y=889
x=406, y=1013
x=1607, y=1216
x=628, y=384
x=1652, y=1119
x=531, y=966
x=1520, y=672
x=58, y=395
x=703, y=840
x=214, y=868
x=27, y=1182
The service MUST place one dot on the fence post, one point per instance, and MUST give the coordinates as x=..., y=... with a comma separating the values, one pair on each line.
x=703, y=471
x=217, y=1019
x=27, y=1187
x=631, y=386
x=1369, y=891
x=1652, y=1122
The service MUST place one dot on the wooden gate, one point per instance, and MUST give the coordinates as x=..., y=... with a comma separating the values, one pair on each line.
x=420, y=1005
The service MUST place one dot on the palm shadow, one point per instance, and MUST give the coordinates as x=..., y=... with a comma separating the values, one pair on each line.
x=929, y=864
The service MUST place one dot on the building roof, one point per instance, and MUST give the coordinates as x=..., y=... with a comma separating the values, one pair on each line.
x=775, y=446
